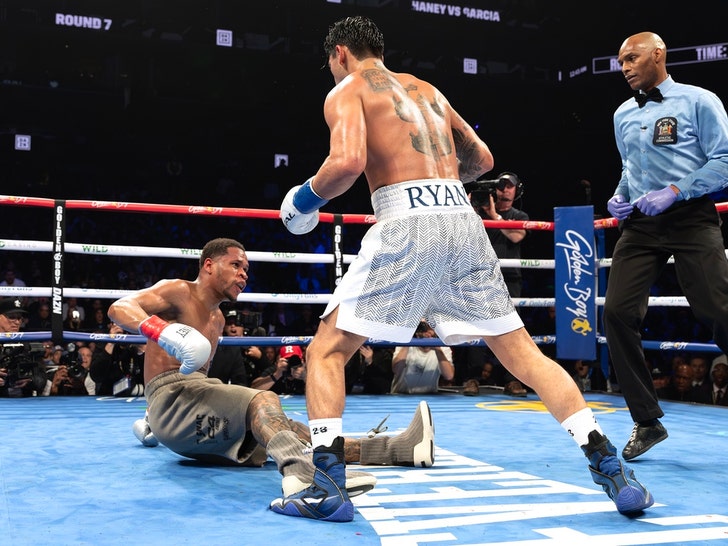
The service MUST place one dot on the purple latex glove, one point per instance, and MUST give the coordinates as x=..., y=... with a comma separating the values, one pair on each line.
x=618, y=207
x=655, y=202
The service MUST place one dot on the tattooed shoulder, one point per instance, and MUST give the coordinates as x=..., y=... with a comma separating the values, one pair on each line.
x=378, y=80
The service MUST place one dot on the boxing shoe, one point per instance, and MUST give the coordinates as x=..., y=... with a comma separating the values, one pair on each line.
x=619, y=484
x=326, y=498
x=143, y=433
x=357, y=483
x=414, y=447
x=643, y=438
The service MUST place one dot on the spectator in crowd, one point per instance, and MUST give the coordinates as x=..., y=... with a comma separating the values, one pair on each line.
x=71, y=377
x=99, y=322
x=287, y=376
x=418, y=369
x=278, y=319
x=306, y=322
x=660, y=378
x=228, y=363
x=118, y=368
x=21, y=371
x=719, y=378
x=700, y=365
x=73, y=313
x=40, y=319
x=369, y=371
x=270, y=357
x=10, y=278
x=680, y=386
x=581, y=374
x=255, y=356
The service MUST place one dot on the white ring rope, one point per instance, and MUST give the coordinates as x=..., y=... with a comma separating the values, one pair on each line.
x=253, y=256
x=194, y=253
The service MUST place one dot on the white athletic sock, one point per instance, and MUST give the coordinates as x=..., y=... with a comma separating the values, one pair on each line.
x=580, y=424
x=324, y=431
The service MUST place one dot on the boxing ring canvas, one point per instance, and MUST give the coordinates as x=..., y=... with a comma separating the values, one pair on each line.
x=72, y=473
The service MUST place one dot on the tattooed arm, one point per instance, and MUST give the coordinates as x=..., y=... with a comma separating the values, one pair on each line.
x=474, y=157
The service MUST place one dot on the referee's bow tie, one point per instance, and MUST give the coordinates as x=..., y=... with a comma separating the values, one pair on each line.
x=642, y=98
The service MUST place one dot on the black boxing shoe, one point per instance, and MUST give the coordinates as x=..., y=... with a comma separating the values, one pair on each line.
x=643, y=438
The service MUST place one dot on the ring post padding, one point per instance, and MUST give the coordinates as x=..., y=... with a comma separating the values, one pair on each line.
x=337, y=236
x=57, y=280
x=575, y=286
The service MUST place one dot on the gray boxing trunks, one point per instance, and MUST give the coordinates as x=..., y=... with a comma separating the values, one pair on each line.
x=202, y=418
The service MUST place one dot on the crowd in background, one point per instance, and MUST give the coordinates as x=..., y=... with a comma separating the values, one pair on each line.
x=117, y=369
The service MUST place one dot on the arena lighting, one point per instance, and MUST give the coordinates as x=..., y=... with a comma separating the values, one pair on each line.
x=23, y=143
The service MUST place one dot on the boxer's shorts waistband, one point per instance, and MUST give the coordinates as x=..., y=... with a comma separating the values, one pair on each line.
x=428, y=196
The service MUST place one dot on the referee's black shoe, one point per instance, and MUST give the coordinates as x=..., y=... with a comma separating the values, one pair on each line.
x=643, y=437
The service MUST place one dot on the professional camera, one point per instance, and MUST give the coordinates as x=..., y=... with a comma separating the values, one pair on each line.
x=481, y=190
x=248, y=320
x=21, y=361
x=294, y=361
x=130, y=362
x=73, y=366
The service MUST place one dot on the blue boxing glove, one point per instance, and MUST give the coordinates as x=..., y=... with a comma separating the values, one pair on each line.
x=618, y=207
x=655, y=202
x=299, y=210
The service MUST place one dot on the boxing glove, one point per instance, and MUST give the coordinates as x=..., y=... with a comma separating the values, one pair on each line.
x=619, y=207
x=143, y=433
x=182, y=342
x=299, y=210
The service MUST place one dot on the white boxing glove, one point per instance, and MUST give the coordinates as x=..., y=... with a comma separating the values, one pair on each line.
x=299, y=210
x=182, y=342
x=143, y=433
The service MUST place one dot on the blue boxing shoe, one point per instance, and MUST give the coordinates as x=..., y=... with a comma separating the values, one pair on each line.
x=607, y=470
x=326, y=498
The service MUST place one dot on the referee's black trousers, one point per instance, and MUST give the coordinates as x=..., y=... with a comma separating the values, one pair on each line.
x=689, y=231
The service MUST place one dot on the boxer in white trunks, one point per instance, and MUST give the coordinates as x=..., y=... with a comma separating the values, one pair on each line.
x=427, y=256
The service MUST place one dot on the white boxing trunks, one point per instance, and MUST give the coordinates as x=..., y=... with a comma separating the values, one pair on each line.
x=427, y=256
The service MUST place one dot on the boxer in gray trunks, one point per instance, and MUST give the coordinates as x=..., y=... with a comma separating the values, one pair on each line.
x=427, y=256
x=205, y=419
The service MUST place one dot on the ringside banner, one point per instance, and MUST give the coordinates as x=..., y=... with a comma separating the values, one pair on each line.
x=575, y=286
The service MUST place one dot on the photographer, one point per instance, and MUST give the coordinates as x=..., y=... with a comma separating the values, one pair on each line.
x=419, y=369
x=118, y=368
x=236, y=364
x=71, y=377
x=21, y=372
x=493, y=200
x=229, y=362
x=288, y=376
